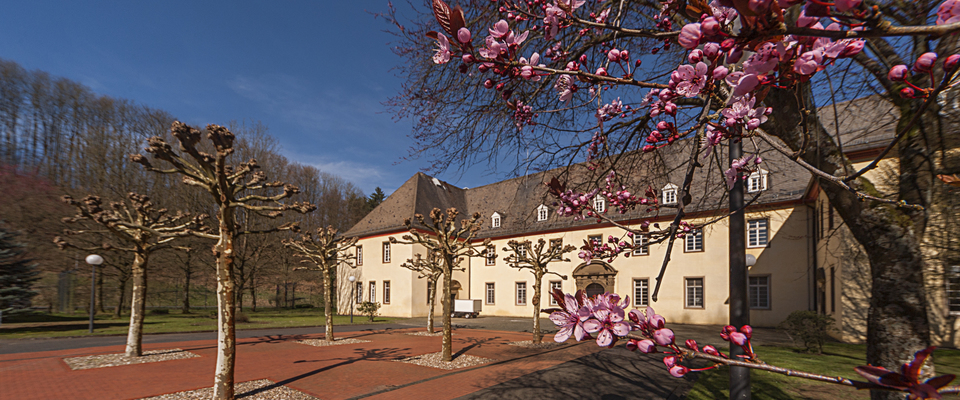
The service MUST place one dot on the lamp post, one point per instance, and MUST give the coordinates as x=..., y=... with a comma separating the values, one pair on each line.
x=94, y=260
x=353, y=297
x=739, y=305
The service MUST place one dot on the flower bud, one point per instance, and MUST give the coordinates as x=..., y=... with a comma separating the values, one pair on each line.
x=690, y=36
x=747, y=330
x=647, y=346
x=711, y=350
x=734, y=56
x=925, y=62
x=907, y=93
x=727, y=44
x=468, y=59
x=696, y=55
x=583, y=58
x=679, y=371
x=663, y=336
x=670, y=361
x=488, y=84
x=738, y=338
x=602, y=71
x=710, y=26
x=613, y=55
x=898, y=73
x=463, y=35
x=711, y=50
x=951, y=62
x=691, y=344
x=624, y=55
x=720, y=72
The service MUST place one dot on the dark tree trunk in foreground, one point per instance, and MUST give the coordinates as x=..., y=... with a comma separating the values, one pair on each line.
x=137, y=307
x=897, y=324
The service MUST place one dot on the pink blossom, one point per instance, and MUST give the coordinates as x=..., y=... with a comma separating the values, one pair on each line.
x=759, y=6
x=492, y=49
x=570, y=318
x=951, y=62
x=764, y=60
x=613, y=55
x=463, y=35
x=442, y=56
x=710, y=26
x=690, y=36
x=804, y=21
x=949, y=12
x=565, y=87
x=692, y=79
x=723, y=14
x=809, y=62
x=898, y=73
x=645, y=346
x=712, y=138
x=695, y=56
x=500, y=29
x=925, y=62
x=664, y=336
x=742, y=83
x=711, y=50
x=846, y=5
x=738, y=338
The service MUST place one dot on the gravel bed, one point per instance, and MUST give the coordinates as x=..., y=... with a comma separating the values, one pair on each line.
x=425, y=333
x=113, y=360
x=546, y=344
x=433, y=360
x=336, y=341
x=250, y=390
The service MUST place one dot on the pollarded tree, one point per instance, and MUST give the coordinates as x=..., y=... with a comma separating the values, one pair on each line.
x=327, y=250
x=228, y=192
x=537, y=259
x=139, y=229
x=450, y=243
x=17, y=275
x=429, y=267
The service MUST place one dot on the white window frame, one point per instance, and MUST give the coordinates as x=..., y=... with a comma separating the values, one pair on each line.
x=522, y=250
x=692, y=292
x=668, y=195
x=756, y=232
x=558, y=242
x=373, y=291
x=386, y=292
x=641, y=292
x=359, y=292
x=554, y=285
x=360, y=255
x=690, y=240
x=386, y=252
x=643, y=249
x=757, y=181
x=599, y=204
x=521, y=292
x=490, y=255
x=951, y=282
x=491, y=293
x=495, y=220
x=542, y=213
x=754, y=292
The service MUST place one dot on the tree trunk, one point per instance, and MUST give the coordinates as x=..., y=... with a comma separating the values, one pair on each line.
x=537, y=335
x=121, y=296
x=186, y=294
x=137, y=306
x=328, y=304
x=897, y=324
x=276, y=299
x=447, y=323
x=431, y=303
x=253, y=293
x=226, y=309
x=100, y=292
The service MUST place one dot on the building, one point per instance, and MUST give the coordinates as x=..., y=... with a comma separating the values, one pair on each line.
x=803, y=258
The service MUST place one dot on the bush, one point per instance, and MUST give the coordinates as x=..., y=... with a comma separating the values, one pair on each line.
x=159, y=311
x=241, y=317
x=306, y=305
x=369, y=309
x=808, y=327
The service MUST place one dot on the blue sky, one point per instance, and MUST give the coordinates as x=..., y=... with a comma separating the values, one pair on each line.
x=315, y=72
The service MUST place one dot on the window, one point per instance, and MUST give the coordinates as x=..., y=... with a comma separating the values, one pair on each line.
x=757, y=181
x=373, y=291
x=522, y=250
x=598, y=239
x=491, y=293
x=599, y=204
x=359, y=255
x=542, y=213
x=759, y=291
x=669, y=194
x=386, y=252
x=490, y=255
x=641, y=291
x=386, y=292
x=693, y=241
x=640, y=247
x=757, y=233
x=495, y=220
x=555, y=285
x=953, y=289
x=359, y=292
x=694, y=292
x=521, y=293
x=556, y=244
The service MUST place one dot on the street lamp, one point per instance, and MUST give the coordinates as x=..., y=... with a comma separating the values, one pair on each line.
x=751, y=261
x=94, y=260
x=353, y=297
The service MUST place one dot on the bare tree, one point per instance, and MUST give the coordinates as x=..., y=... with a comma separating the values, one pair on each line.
x=429, y=267
x=327, y=250
x=450, y=243
x=226, y=186
x=536, y=259
x=142, y=228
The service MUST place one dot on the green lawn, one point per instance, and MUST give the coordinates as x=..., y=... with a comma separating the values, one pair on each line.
x=60, y=325
x=838, y=360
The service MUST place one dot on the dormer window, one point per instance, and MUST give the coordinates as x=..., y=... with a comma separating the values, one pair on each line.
x=599, y=204
x=757, y=181
x=542, y=213
x=669, y=194
x=495, y=220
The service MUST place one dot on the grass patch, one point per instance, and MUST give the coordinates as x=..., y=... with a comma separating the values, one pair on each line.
x=838, y=359
x=61, y=325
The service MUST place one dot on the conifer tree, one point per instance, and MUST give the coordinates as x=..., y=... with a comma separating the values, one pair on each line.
x=17, y=275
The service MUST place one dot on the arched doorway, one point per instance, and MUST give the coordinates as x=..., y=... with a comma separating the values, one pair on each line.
x=454, y=290
x=594, y=289
x=595, y=277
